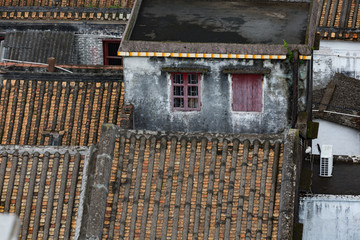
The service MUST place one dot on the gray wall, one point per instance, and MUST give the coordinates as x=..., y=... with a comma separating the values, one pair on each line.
x=89, y=45
x=335, y=57
x=147, y=87
x=82, y=45
x=330, y=217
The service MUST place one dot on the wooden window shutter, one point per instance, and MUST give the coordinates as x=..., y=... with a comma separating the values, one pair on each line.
x=247, y=92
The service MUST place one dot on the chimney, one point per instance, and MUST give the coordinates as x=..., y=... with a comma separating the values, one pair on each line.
x=51, y=67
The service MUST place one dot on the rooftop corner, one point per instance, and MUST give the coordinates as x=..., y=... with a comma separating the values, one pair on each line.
x=220, y=27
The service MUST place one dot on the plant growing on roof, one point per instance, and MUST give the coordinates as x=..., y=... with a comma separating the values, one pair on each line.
x=115, y=6
x=290, y=53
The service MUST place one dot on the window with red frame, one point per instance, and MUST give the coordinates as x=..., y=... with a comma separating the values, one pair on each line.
x=111, y=48
x=247, y=92
x=185, y=91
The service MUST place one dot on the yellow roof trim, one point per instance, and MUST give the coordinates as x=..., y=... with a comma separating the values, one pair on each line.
x=206, y=55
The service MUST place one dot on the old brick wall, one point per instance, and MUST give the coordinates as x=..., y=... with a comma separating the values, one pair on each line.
x=89, y=48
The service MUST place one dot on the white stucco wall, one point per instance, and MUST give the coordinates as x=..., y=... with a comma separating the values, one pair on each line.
x=345, y=140
x=330, y=217
x=148, y=88
x=336, y=57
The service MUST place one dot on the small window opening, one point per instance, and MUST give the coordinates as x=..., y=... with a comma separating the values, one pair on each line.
x=111, y=48
x=185, y=91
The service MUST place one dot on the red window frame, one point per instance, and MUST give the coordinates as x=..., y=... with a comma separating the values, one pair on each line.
x=188, y=92
x=108, y=57
x=247, y=92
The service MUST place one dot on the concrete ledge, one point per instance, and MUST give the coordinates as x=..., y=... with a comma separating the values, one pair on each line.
x=288, y=183
x=98, y=177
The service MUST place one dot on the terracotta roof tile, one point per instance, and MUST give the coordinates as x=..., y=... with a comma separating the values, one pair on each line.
x=42, y=186
x=69, y=111
x=193, y=187
x=339, y=19
x=70, y=3
x=80, y=13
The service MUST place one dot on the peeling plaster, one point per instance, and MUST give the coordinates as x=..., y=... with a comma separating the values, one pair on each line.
x=148, y=88
x=335, y=57
x=330, y=217
x=345, y=140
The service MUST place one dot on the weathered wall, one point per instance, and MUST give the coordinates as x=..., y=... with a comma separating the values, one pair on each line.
x=89, y=49
x=86, y=49
x=335, y=57
x=345, y=140
x=89, y=46
x=148, y=88
x=330, y=217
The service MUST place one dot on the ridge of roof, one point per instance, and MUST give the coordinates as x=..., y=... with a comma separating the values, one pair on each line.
x=20, y=67
x=111, y=13
x=200, y=135
x=69, y=3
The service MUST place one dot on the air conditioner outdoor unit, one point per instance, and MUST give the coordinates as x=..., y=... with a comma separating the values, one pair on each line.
x=326, y=161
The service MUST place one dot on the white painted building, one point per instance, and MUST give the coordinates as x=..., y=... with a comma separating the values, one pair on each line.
x=335, y=56
x=336, y=108
x=330, y=217
x=345, y=140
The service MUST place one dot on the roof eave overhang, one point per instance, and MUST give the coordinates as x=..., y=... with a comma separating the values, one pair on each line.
x=210, y=50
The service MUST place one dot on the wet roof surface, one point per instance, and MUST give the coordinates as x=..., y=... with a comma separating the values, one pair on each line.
x=39, y=110
x=194, y=187
x=222, y=21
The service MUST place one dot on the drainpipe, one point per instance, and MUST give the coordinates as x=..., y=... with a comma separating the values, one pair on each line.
x=295, y=87
x=310, y=88
x=309, y=93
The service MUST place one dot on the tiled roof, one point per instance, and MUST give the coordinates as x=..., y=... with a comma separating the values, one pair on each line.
x=343, y=105
x=42, y=186
x=339, y=19
x=24, y=46
x=64, y=13
x=194, y=187
x=70, y=3
x=43, y=108
x=43, y=67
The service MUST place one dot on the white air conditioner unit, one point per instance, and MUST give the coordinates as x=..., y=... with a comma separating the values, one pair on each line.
x=326, y=161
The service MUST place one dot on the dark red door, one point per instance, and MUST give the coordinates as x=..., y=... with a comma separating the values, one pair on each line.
x=247, y=92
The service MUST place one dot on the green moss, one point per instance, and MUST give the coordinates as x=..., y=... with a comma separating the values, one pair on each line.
x=116, y=6
x=290, y=53
x=312, y=130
